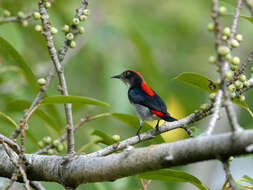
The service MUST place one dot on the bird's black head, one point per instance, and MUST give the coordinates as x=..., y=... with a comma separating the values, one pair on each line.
x=130, y=78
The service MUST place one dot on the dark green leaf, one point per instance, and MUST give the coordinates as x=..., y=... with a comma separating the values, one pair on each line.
x=198, y=81
x=105, y=138
x=173, y=176
x=243, y=105
x=9, y=119
x=11, y=57
x=73, y=99
x=247, y=179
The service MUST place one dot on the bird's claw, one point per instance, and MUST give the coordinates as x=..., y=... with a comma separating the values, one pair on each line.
x=138, y=134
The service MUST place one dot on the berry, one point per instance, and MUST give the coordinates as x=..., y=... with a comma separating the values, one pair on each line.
x=246, y=83
x=69, y=36
x=38, y=28
x=242, y=98
x=224, y=38
x=250, y=3
x=20, y=15
x=238, y=84
x=50, y=151
x=235, y=43
x=116, y=137
x=36, y=15
x=60, y=147
x=222, y=10
x=228, y=57
x=75, y=21
x=251, y=69
x=47, y=5
x=80, y=30
x=65, y=28
x=7, y=13
x=53, y=30
x=86, y=12
x=223, y=50
x=210, y=26
x=212, y=96
x=72, y=44
x=203, y=106
x=234, y=67
x=56, y=143
x=231, y=88
x=83, y=17
x=242, y=78
x=232, y=95
x=41, y=81
x=24, y=23
x=226, y=31
x=41, y=144
x=47, y=140
x=236, y=60
x=212, y=59
x=239, y=37
x=229, y=75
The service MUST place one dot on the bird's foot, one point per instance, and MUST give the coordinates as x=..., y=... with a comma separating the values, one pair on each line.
x=157, y=127
x=138, y=134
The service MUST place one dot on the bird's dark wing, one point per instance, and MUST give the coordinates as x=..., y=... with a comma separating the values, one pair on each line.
x=137, y=96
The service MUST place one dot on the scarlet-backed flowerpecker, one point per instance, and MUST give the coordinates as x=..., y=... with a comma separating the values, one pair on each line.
x=148, y=105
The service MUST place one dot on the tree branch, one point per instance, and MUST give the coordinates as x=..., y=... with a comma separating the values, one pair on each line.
x=229, y=176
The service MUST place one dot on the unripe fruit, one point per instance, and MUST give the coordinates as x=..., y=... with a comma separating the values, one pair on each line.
x=218, y=69
x=231, y=88
x=83, y=17
x=41, y=144
x=80, y=30
x=212, y=59
x=203, y=106
x=38, y=28
x=235, y=43
x=232, y=95
x=229, y=75
x=224, y=38
x=75, y=21
x=228, y=57
x=236, y=60
x=212, y=96
x=24, y=23
x=60, y=147
x=65, y=28
x=242, y=78
x=246, y=83
x=47, y=5
x=69, y=36
x=250, y=3
x=238, y=84
x=72, y=44
x=242, y=98
x=222, y=10
x=36, y=15
x=116, y=137
x=210, y=26
x=226, y=31
x=7, y=13
x=53, y=30
x=56, y=142
x=41, y=81
x=251, y=69
x=50, y=151
x=86, y=12
x=234, y=67
x=20, y=14
x=239, y=37
x=223, y=50
x=47, y=140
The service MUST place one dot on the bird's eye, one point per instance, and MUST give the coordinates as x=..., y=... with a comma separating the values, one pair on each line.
x=128, y=73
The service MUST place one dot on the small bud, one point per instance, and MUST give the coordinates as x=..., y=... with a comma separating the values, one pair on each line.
x=242, y=98
x=235, y=43
x=24, y=23
x=224, y=38
x=228, y=57
x=80, y=30
x=226, y=31
x=50, y=151
x=86, y=12
x=47, y=5
x=238, y=84
x=38, y=28
x=223, y=50
x=83, y=17
x=232, y=95
x=212, y=96
x=56, y=142
x=229, y=75
x=41, y=81
x=234, y=67
x=231, y=158
x=210, y=26
x=75, y=21
x=236, y=60
x=41, y=144
x=47, y=140
x=239, y=37
x=72, y=44
x=36, y=15
x=222, y=10
x=60, y=148
x=69, y=36
x=231, y=88
x=20, y=15
x=212, y=59
x=203, y=106
x=242, y=78
x=116, y=137
x=7, y=13
x=246, y=83
x=65, y=28
x=53, y=30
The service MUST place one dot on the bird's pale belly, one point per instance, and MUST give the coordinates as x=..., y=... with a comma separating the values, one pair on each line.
x=144, y=113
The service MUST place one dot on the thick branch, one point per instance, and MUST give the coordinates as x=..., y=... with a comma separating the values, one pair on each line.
x=84, y=169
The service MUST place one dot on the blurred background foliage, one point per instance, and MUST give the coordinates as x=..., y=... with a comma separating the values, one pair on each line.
x=160, y=39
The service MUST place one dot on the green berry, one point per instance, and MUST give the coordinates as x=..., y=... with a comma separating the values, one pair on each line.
x=75, y=21
x=226, y=31
x=47, y=5
x=228, y=57
x=242, y=78
x=224, y=38
x=236, y=60
x=116, y=137
x=20, y=15
x=212, y=59
x=70, y=36
x=231, y=88
x=223, y=50
x=234, y=67
x=72, y=44
x=242, y=98
x=239, y=37
x=251, y=69
x=80, y=30
x=229, y=75
x=60, y=147
x=56, y=142
x=246, y=83
x=231, y=158
x=83, y=17
x=24, y=23
x=86, y=12
x=210, y=26
x=218, y=69
x=41, y=144
x=250, y=3
x=212, y=96
x=41, y=81
x=50, y=151
x=38, y=28
x=235, y=43
x=203, y=106
x=7, y=13
x=65, y=28
x=232, y=95
x=238, y=84
x=53, y=30
x=36, y=15
x=47, y=140
x=222, y=10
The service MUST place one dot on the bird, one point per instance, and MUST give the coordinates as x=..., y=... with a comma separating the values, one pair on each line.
x=148, y=104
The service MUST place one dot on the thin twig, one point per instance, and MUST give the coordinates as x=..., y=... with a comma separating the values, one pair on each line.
x=229, y=176
x=27, y=16
x=14, y=146
x=217, y=27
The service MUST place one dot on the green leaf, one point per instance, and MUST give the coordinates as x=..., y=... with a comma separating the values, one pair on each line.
x=173, y=176
x=106, y=139
x=9, y=119
x=247, y=179
x=133, y=121
x=11, y=57
x=73, y=99
x=198, y=81
x=243, y=105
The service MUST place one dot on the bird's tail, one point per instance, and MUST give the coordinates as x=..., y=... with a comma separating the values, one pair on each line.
x=168, y=118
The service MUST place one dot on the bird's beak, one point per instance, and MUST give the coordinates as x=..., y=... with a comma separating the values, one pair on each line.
x=116, y=76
